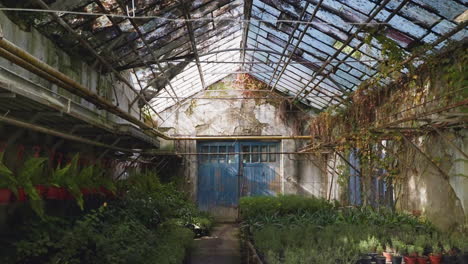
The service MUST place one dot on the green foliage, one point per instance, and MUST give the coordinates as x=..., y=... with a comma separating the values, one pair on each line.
x=280, y=205
x=148, y=225
x=7, y=179
x=287, y=225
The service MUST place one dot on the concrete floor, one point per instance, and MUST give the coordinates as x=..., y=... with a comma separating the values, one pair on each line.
x=223, y=246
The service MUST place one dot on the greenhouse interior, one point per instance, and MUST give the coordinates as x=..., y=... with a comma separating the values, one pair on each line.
x=234, y=131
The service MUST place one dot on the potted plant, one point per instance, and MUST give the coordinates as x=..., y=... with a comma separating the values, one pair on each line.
x=388, y=253
x=398, y=247
x=410, y=257
x=8, y=182
x=421, y=258
x=449, y=256
x=31, y=168
x=461, y=243
x=56, y=190
x=364, y=250
x=436, y=256
x=380, y=259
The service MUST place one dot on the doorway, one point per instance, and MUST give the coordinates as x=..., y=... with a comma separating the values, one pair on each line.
x=230, y=170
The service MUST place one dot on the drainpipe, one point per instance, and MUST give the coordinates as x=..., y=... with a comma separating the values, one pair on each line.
x=25, y=60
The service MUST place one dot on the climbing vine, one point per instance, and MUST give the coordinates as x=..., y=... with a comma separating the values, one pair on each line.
x=369, y=122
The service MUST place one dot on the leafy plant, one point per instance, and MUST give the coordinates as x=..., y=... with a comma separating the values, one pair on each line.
x=8, y=180
x=32, y=168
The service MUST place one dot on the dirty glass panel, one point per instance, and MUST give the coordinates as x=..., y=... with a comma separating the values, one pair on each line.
x=214, y=157
x=245, y=155
x=273, y=150
x=222, y=155
x=255, y=155
x=231, y=156
x=264, y=154
x=204, y=158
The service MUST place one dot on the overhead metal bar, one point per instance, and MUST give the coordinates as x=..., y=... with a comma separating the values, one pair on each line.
x=247, y=12
x=88, y=46
x=160, y=68
x=193, y=42
x=345, y=44
x=291, y=37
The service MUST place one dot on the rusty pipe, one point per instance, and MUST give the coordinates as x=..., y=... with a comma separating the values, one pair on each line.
x=41, y=129
x=31, y=63
x=25, y=60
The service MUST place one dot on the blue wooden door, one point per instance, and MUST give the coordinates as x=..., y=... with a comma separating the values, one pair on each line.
x=260, y=165
x=229, y=170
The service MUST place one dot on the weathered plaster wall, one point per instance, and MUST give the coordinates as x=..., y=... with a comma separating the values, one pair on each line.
x=74, y=67
x=444, y=201
x=214, y=117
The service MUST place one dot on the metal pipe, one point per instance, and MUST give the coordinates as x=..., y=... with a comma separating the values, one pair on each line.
x=56, y=133
x=89, y=47
x=31, y=63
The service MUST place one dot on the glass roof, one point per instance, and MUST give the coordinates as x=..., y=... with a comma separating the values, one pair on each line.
x=314, y=50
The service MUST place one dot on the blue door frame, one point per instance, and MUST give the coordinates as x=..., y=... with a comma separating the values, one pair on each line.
x=224, y=175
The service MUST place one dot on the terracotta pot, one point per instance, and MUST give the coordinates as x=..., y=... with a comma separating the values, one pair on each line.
x=422, y=260
x=435, y=259
x=410, y=260
x=22, y=195
x=41, y=190
x=388, y=256
x=5, y=196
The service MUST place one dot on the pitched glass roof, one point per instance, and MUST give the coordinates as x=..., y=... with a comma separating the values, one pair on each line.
x=314, y=50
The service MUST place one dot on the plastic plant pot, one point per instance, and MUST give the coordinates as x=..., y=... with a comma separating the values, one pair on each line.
x=5, y=196
x=462, y=258
x=22, y=195
x=54, y=193
x=435, y=259
x=388, y=256
x=410, y=260
x=397, y=259
x=380, y=260
x=365, y=260
x=41, y=190
x=422, y=259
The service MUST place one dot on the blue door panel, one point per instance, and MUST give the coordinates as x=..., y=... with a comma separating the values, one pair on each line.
x=222, y=179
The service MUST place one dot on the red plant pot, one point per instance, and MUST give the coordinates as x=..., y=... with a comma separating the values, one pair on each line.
x=22, y=195
x=41, y=190
x=67, y=195
x=435, y=259
x=106, y=192
x=5, y=196
x=410, y=260
x=422, y=260
x=56, y=193
x=388, y=256
x=86, y=191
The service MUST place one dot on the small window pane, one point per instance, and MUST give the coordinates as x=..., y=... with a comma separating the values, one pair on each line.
x=214, y=157
x=203, y=157
x=264, y=155
x=255, y=155
x=246, y=156
x=231, y=156
x=222, y=155
x=273, y=154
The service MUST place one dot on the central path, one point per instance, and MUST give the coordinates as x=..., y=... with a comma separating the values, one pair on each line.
x=222, y=247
